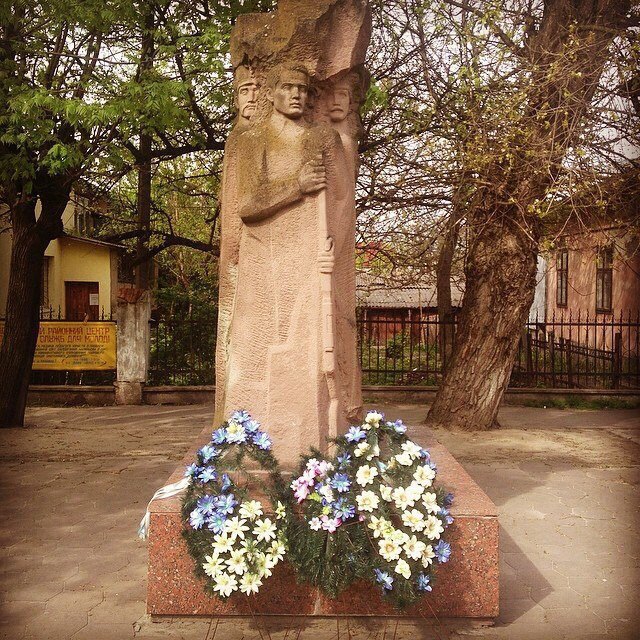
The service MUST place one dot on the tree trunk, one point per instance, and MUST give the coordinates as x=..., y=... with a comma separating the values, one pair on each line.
x=21, y=325
x=500, y=276
x=30, y=239
x=443, y=288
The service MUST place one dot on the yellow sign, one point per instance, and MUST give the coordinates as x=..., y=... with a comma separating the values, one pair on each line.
x=74, y=346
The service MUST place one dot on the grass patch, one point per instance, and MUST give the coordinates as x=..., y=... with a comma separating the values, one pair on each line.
x=581, y=402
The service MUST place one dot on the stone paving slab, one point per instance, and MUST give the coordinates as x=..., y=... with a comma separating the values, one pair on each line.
x=75, y=483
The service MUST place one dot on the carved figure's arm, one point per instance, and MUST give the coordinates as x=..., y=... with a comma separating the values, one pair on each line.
x=267, y=198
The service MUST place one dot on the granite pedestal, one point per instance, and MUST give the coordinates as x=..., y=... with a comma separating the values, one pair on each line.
x=466, y=586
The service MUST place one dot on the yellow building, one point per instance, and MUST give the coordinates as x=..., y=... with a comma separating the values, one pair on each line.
x=79, y=274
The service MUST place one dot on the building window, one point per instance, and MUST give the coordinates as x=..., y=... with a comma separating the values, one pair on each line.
x=604, y=279
x=44, y=282
x=562, y=272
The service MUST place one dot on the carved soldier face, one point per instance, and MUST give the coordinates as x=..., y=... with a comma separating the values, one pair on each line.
x=339, y=103
x=289, y=96
x=246, y=98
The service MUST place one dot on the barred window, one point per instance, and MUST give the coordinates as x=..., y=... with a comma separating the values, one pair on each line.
x=562, y=272
x=604, y=279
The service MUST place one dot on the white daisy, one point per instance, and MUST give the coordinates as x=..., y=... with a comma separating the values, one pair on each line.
x=402, y=499
x=373, y=418
x=429, y=502
x=213, y=565
x=424, y=475
x=411, y=448
x=413, y=519
x=403, y=569
x=365, y=475
x=264, y=530
x=250, y=583
x=225, y=584
x=315, y=524
x=367, y=501
x=281, y=510
x=375, y=452
x=236, y=563
x=251, y=509
x=415, y=491
x=427, y=556
x=389, y=549
x=385, y=492
x=398, y=536
x=235, y=527
x=361, y=449
x=404, y=459
x=433, y=528
x=222, y=543
x=379, y=526
x=414, y=548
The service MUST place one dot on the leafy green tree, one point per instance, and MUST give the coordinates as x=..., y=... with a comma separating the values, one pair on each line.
x=78, y=98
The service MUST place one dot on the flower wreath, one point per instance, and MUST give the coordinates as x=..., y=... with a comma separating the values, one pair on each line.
x=370, y=512
x=234, y=543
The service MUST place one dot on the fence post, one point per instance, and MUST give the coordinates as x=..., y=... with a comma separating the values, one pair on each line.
x=566, y=347
x=552, y=357
x=133, y=346
x=617, y=359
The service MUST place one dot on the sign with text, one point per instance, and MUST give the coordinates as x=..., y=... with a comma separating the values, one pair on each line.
x=74, y=346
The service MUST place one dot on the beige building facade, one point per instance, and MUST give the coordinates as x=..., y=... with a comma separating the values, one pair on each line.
x=79, y=274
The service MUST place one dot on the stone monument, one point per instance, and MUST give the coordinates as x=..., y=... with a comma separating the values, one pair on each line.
x=287, y=333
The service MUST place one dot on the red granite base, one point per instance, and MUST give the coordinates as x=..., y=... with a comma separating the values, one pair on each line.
x=466, y=586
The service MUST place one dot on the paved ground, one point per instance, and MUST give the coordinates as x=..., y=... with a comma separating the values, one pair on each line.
x=75, y=484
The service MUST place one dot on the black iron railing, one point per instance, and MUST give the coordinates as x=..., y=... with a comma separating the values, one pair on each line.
x=564, y=352
x=182, y=350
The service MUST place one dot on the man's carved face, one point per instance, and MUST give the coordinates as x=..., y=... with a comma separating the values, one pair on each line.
x=289, y=96
x=246, y=99
x=339, y=103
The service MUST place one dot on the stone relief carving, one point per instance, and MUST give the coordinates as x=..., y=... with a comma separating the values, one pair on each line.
x=286, y=331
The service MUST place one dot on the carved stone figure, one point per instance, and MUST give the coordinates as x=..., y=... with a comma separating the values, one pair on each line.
x=245, y=99
x=286, y=334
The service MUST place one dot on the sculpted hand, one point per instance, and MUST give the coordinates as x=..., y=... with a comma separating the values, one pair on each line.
x=312, y=176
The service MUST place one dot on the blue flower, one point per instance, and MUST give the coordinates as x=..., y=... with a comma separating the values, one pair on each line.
x=251, y=426
x=240, y=416
x=226, y=482
x=226, y=503
x=343, y=510
x=196, y=518
x=340, y=482
x=207, y=504
x=447, y=517
x=355, y=434
x=399, y=427
x=425, y=455
x=442, y=551
x=262, y=440
x=207, y=452
x=448, y=500
x=207, y=474
x=192, y=470
x=219, y=436
x=384, y=579
x=432, y=465
x=423, y=583
x=216, y=522
x=343, y=460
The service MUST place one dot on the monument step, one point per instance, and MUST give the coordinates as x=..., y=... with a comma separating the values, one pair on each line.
x=465, y=587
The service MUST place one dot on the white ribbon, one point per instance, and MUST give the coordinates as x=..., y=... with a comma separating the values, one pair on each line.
x=168, y=491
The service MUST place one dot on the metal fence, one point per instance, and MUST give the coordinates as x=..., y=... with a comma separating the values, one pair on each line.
x=563, y=352
x=182, y=351
x=569, y=352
